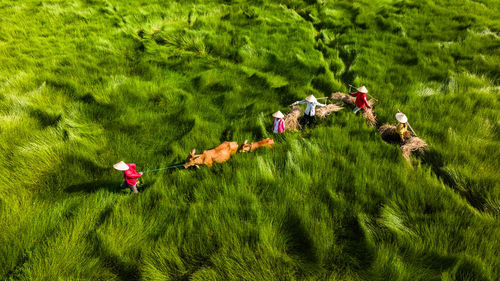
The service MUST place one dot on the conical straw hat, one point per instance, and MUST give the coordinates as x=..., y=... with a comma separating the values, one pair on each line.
x=278, y=114
x=121, y=166
x=362, y=89
x=311, y=98
x=401, y=117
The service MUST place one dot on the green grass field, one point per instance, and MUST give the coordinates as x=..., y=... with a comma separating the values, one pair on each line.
x=87, y=83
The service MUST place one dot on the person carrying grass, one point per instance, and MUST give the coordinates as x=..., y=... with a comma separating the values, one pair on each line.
x=279, y=123
x=361, y=101
x=130, y=174
x=310, y=112
x=402, y=127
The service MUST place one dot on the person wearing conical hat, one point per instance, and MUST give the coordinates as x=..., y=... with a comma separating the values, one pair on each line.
x=310, y=111
x=130, y=174
x=279, y=123
x=361, y=101
x=402, y=127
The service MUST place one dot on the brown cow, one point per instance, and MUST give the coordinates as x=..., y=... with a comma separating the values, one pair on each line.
x=219, y=154
x=254, y=145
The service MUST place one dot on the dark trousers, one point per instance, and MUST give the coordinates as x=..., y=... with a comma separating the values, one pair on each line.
x=133, y=188
x=308, y=120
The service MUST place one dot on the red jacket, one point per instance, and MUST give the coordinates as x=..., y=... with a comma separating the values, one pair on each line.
x=360, y=100
x=131, y=175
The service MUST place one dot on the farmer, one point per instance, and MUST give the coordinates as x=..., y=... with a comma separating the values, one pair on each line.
x=312, y=102
x=279, y=123
x=130, y=174
x=361, y=101
x=402, y=128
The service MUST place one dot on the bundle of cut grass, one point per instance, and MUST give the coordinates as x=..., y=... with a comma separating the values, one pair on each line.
x=368, y=114
x=292, y=119
x=348, y=99
x=324, y=111
x=411, y=145
x=370, y=117
x=389, y=134
x=343, y=97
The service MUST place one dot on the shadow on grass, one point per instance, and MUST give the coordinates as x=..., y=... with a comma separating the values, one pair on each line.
x=300, y=241
x=91, y=187
x=453, y=179
x=122, y=269
x=111, y=186
x=116, y=186
x=359, y=252
x=458, y=267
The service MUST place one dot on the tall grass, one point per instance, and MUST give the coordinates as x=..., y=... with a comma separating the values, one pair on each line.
x=84, y=84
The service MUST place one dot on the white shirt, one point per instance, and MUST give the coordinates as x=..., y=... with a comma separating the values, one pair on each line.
x=276, y=125
x=311, y=107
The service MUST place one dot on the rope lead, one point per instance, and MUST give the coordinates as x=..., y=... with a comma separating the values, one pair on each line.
x=166, y=168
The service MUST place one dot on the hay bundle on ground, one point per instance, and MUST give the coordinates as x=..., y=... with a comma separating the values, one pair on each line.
x=370, y=117
x=348, y=99
x=369, y=114
x=411, y=145
x=389, y=134
x=292, y=119
x=343, y=97
x=324, y=111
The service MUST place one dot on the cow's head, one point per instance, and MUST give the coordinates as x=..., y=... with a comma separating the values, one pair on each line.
x=193, y=160
x=245, y=147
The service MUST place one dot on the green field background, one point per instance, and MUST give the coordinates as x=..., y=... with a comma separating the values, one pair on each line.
x=85, y=84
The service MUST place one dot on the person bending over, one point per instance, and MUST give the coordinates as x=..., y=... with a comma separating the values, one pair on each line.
x=309, y=113
x=361, y=102
x=402, y=127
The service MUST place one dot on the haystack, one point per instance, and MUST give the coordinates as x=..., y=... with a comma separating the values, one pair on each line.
x=411, y=145
x=348, y=99
x=292, y=119
x=389, y=134
x=370, y=117
x=369, y=114
x=324, y=111
x=343, y=97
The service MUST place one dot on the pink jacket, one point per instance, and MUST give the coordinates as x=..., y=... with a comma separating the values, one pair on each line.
x=131, y=175
x=279, y=125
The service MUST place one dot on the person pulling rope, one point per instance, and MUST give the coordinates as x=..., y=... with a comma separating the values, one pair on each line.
x=130, y=175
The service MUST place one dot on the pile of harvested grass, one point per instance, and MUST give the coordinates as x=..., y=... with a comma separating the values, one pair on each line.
x=411, y=145
x=389, y=134
x=370, y=117
x=292, y=119
x=348, y=99
x=343, y=97
x=324, y=111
